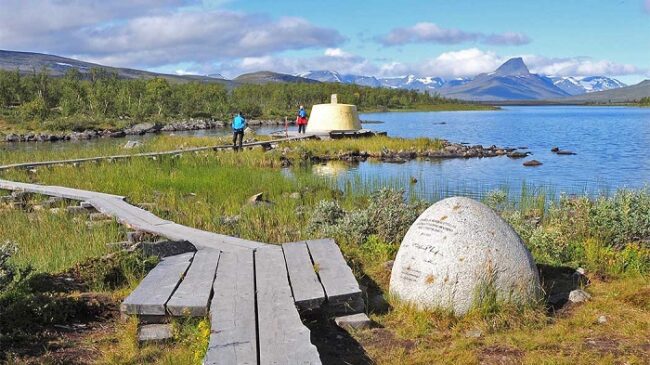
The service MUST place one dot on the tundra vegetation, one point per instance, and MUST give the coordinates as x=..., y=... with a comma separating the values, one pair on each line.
x=56, y=269
x=103, y=101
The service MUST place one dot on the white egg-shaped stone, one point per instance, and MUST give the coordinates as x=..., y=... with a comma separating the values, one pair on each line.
x=455, y=252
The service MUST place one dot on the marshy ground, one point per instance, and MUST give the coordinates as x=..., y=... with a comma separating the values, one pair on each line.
x=60, y=288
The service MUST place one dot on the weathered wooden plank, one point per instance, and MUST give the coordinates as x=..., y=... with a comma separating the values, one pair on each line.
x=58, y=191
x=192, y=296
x=127, y=213
x=336, y=276
x=204, y=239
x=232, y=312
x=157, y=287
x=307, y=290
x=283, y=339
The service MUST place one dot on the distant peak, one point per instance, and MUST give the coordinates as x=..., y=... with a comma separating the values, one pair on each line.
x=513, y=67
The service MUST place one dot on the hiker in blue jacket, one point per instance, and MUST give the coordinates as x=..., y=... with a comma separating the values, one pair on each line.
x=301, y=120
x=238, y=126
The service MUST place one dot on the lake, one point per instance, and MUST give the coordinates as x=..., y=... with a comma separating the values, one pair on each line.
x=612, y=146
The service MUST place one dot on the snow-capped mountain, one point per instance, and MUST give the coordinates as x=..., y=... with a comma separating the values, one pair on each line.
x=322, y=76
x=514, y=75
x=410, y=82
x=362, y=80
x=511, y=81
x=333, y=76
x=458, y=81
x=583, y=85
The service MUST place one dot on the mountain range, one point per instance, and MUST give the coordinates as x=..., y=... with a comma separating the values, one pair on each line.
x=512, y=81
x=27, y=62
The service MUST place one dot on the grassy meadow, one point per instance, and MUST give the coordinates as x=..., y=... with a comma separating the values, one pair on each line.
x=209, y=190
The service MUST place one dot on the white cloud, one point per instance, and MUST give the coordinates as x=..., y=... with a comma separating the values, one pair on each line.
x=426, y=33
x=580, y=66
x=39, y=22
x=337, y=60
x=468, y=62
x=507, y=39
x=132, y=34
x=432, y=33
x=463, y=63
x=182, y=72
x=336, y=52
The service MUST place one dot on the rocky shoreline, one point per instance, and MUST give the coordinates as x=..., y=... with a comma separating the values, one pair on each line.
x=449, y=150
x=138, y=129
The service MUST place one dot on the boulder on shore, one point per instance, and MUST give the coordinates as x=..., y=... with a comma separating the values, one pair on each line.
x=457, y=254
x=143, y=128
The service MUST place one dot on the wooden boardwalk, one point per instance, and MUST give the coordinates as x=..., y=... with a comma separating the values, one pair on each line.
x=253, y=292
x=152, y=154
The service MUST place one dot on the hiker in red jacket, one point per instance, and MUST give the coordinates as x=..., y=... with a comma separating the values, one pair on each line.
x=301, y=120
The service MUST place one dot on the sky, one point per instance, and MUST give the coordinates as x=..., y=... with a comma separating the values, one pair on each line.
x=444, y=38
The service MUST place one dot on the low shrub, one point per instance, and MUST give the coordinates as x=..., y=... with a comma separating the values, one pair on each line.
x=386, y=216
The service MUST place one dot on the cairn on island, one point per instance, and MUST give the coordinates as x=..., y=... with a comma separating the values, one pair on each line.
x=458, y=253
x=325, y=118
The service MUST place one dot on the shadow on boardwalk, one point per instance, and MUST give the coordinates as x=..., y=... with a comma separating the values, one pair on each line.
x=335, y=345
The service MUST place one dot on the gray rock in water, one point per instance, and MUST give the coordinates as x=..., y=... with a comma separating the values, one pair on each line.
x=12, y=137
x=532, y=163
x=517, y=154
x=579, y=296
x=143, y=128
x=565, y=153
x=456, y=251
x=155, y=332
x=354, y=321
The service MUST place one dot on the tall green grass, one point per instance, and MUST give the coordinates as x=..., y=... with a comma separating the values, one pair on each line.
x=373, y=145
x=54, y=242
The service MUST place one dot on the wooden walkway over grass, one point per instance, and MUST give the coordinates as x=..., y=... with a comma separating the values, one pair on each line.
x=151, y=154
x=253, y=292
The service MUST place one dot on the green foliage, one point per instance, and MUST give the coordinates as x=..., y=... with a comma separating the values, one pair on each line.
x=34, y=109
x=7, y=270
x=623, y=218
x=29, y=300
x=645, y=101
x=101, y=94
x=607, y=235
x=386, y=218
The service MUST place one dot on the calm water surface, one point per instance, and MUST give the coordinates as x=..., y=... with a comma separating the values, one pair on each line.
x=612, y=146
